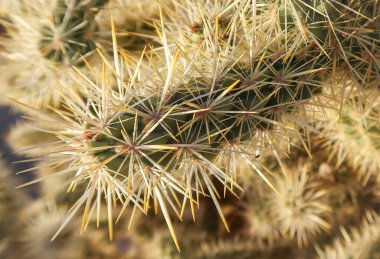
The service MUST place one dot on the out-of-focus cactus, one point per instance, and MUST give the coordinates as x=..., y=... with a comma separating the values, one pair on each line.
x=71, y=32
x=298, y=210
x=38, y=237
x=262, y=225
x=41, y=220
x=44, y=39
x=359, y=242
x=134, y=24
x=263, y=228
x=351, y=198
x=26, y=138
x=11, y=203
x=10, y=6
x=354, y=134
x=300, y=207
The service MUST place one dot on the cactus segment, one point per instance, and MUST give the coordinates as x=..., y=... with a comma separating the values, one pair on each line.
x=198, y=114
x=72, y=33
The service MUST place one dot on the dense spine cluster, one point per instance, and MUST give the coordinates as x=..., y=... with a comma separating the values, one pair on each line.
x=43, y=40
x=354, y=134
x=71, y=34
x=233, y=111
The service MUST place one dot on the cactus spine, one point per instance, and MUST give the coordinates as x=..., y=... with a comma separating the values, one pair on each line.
x=72, y=32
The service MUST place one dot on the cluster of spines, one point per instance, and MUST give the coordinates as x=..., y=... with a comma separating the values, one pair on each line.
x=195, y=114
x=133, y=22
x=359, y=242
x=347, y=33
x=72, y=32
x=43, y=40
x=353, y=135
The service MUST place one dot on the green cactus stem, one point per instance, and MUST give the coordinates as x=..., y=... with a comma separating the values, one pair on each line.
x=348, y=32
x=72, y=33
x=197, y=115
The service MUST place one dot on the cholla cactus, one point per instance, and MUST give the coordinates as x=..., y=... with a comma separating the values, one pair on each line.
x=360, y=242
x=133, y=22
x=233, y=248
x=348, y=32
x=300, y=207
x=26, y=138
x=44, y=39
x=354, y=134
x=158, y=140
x=231, y=82
x=351, y=197
x=263, y=227
x=70, y=35
x=41, y=220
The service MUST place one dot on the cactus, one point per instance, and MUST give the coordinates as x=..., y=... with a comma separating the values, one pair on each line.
x=44, y=39
x=262, y=225
x=160, y=140
x=355, y=134
x=41, y=220
x=146, y=142
x=347, y=32
x=133, y=22
x=361, y=242
x=211, y=92
x=10, y=6
x=300, y=208
x=11, y=203
x=70, y=35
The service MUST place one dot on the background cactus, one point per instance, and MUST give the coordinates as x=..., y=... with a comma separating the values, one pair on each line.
x=44, y=39
x=362, y=242
x=71, y=32
x=175, y=108
x=354, y=134
x=11, y=203
x=134, y=24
